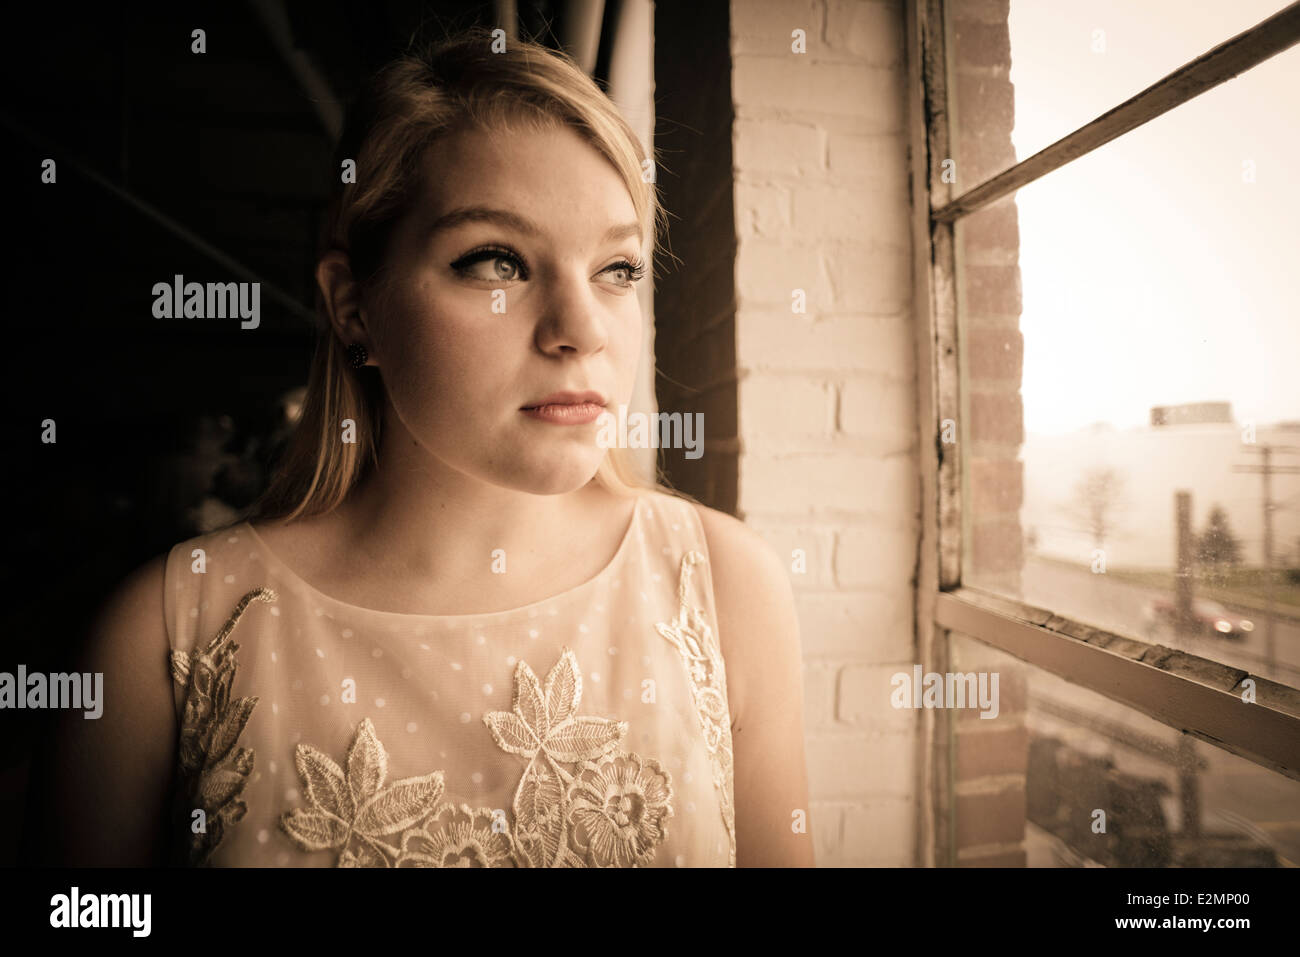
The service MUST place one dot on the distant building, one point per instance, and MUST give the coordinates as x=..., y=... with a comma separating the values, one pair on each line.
x=1192, y=447
x=1192, y=413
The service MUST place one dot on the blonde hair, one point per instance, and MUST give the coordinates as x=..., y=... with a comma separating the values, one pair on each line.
x=407, y=106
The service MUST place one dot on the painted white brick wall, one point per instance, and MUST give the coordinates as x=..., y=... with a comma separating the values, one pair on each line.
x=827, y=402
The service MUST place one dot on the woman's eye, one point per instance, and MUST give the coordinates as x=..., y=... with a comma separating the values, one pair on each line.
x=491, y=265
x=626, y=273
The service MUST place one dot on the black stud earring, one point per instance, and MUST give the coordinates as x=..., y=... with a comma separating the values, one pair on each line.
x=357, y=355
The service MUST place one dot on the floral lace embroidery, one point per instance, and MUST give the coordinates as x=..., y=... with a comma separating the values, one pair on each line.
x=617, y=810
x=580, y=802
x=459, y=837
x=691, y=635
x=609, y=808
x=212, y=778
x=351, y=812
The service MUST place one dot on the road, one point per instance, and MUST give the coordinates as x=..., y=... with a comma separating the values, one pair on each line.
x=1236, y=795
x=1120, y=606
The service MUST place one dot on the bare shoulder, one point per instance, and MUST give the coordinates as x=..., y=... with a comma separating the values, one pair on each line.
x=139, y=596
x=758, y=630
x=734, y=545
x=129, y=629
x=129, y=642
x=123, y=755
x=757, y=624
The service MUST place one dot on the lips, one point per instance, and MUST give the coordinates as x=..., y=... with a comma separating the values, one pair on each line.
x=568, y=398
x=567, y=408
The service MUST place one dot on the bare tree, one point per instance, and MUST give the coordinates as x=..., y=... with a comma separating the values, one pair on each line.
x=1096, y=499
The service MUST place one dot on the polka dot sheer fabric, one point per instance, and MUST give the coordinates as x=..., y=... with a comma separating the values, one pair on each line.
x=590, y=729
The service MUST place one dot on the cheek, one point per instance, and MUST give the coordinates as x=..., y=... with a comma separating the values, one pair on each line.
x=626, y=347
x=442, y=361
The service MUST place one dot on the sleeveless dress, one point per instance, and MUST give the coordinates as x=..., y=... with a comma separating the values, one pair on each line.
x=590, y=729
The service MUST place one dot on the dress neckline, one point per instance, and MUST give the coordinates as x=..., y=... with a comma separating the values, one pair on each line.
x=304, y=586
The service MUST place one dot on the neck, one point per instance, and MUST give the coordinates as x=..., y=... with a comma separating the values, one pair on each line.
x=414, y=518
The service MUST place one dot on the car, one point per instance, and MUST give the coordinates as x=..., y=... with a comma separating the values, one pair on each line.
x=1210, y=615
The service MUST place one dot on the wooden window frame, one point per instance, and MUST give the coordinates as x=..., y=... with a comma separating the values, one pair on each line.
x=1199, y=696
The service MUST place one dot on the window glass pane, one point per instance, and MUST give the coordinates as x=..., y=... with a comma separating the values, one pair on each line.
x=1059, y=65
x=1130, y=340
x=1058, y=776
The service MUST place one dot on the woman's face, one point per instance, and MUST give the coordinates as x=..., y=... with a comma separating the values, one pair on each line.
x=508, y=282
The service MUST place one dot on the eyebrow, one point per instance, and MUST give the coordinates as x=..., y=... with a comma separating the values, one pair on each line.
x=509, y=220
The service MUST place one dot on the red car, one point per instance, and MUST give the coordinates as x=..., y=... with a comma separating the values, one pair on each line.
x=1212, y=616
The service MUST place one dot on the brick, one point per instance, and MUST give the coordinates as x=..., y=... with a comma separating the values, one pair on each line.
x=842, y=766
x=767, y=271
x=997, y=485
x=858, y=214
x=821, y=204
x=993, y=227
x=981, y=44
x=771, y=21
x=877, y=556
x=981, y=154
x=785, y=406
x=877, y=163
x=762, y=210
x=1013, y=693
x=994, y=351
x=881, y=833
x=992, y=291
x=856, y=625
x=986, y=11
x=801, y=87
x=842, y=482
x=1005, y=751
x=871, y=278
x=878, y=406
x=777, y=148
x=986, y=103
x=827, y=831
x=870, y=32
x=817, y=545
x=767, y=339
x=818, y=696
x=997, y=417
x=863, y=698
x=997, y=547
x=997, y=818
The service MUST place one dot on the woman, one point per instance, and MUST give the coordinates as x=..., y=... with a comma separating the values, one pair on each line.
x=455, y=632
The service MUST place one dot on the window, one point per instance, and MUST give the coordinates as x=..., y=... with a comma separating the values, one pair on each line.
x=1113, y=491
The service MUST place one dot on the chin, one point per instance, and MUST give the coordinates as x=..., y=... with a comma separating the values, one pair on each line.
x=568, y=474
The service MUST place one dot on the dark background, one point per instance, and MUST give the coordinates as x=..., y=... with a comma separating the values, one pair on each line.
x=162, y=424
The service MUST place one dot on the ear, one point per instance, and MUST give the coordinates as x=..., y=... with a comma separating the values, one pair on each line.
x=342, y=298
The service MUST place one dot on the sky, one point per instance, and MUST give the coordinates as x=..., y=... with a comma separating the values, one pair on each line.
x=1152, y=272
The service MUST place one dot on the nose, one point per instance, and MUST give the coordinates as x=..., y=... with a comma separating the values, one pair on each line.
x=571, y=322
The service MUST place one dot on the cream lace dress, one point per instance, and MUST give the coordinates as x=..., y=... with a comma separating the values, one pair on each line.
x=590, y=729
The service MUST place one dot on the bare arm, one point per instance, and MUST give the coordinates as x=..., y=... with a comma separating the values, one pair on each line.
x=101, y=787
x=759, y=634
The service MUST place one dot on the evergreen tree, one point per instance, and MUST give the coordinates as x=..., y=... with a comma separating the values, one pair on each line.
x=1217, y=547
